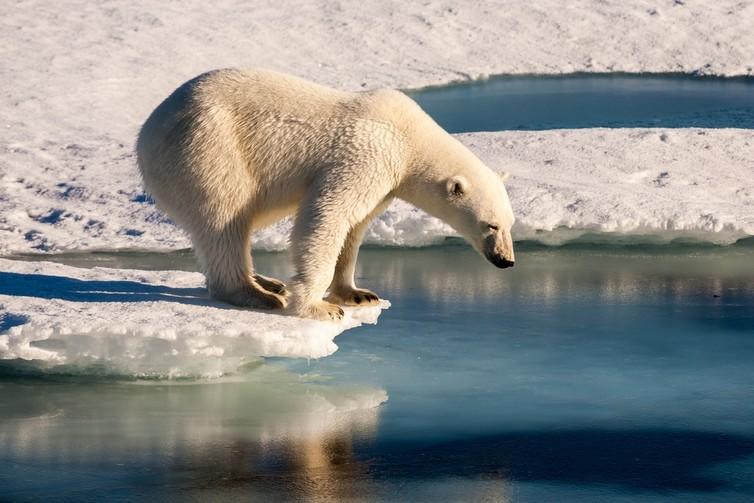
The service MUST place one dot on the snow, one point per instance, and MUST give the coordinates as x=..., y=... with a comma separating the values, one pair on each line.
x=671, y=183
x=80, y=77
x=676, y=183
x=134, y=322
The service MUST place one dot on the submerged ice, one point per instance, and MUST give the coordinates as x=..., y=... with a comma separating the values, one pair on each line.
x=145, y=322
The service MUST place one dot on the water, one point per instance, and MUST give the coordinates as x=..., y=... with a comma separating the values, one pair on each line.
x=591, y=100
x=585, y=373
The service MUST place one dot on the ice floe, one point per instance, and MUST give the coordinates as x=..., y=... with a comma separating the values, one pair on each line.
x=145, y=323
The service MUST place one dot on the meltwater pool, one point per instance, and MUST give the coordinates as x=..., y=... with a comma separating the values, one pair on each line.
x=532, y=102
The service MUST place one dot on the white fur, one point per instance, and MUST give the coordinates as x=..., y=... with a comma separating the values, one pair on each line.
x=232, y=151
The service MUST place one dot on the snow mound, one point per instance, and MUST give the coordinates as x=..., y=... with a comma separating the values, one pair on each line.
x=146, y=322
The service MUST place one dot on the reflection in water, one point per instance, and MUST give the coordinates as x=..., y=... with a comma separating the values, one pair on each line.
x=456, y=273
x=583, y=374
x=272, y=430
x=546, y=276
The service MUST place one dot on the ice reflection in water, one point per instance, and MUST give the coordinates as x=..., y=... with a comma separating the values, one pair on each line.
x=270, y=429
x=455, y=274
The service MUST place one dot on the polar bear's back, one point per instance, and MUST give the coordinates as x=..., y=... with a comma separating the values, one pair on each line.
x=260, y=119
x=224, y=131
x=230, y=137
x=240, y=102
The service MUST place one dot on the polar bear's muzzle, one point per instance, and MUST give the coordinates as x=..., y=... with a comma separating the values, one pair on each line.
x=499, y=250
x=499, y=260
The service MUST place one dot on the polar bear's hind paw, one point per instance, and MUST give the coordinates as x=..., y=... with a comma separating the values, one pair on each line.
x=271, y=284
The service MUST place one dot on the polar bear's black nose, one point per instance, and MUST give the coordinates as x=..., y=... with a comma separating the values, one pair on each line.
x=499, y=261
x=504, y=263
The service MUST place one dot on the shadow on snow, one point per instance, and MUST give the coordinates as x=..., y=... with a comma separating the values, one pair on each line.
x=76, y=290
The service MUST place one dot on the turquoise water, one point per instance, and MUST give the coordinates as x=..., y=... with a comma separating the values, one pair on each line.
x=591, y=100
x=585, y=373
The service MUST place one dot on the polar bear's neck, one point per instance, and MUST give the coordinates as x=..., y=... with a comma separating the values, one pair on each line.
x=435, y=156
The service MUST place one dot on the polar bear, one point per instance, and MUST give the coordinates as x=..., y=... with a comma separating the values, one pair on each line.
x=232, y=151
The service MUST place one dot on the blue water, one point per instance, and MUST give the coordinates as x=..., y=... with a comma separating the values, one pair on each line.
x=585, y=373
x=591, y=100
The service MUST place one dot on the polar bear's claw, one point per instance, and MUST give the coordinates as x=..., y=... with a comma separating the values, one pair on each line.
x=337, y=314
x=271, y=284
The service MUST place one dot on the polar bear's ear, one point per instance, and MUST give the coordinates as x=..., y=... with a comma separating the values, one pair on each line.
x=504, y=175
x=457, y=186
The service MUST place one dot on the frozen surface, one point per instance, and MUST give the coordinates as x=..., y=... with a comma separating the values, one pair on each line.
x=71, y=105
x=691, y=183
x=670, y=183
x=145, y=322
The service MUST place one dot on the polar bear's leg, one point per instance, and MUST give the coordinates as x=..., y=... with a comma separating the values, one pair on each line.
x=225, y=256
x=322, y=225
x=343, y=289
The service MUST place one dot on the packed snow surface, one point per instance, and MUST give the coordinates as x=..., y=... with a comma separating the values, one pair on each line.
x=672, y=183
x=145, y=322
x=79, y=78
x=692, y=183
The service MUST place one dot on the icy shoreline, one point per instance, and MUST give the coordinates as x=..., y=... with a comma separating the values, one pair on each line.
x=145, y=323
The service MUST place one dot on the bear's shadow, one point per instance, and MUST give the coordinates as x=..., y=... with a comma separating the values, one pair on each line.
x=78, y=290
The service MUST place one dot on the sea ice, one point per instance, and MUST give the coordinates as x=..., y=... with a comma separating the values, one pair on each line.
x=696, y=183
x=145, y=322
x=73, y=106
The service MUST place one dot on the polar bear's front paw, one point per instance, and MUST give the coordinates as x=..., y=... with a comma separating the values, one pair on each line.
x=322, y=310
x=354, y=297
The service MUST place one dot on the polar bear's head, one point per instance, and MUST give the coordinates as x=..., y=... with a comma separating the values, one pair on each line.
x=463, y=192
x=478, y=208
x=445, y=179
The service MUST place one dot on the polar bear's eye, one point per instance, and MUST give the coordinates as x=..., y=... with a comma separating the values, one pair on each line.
x=493, y=228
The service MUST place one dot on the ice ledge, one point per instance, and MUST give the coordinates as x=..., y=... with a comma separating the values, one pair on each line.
x=146, y=322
